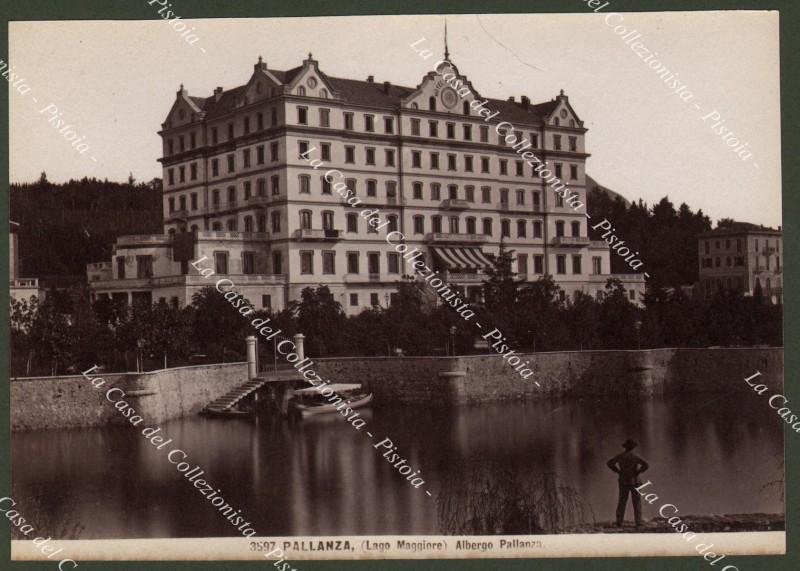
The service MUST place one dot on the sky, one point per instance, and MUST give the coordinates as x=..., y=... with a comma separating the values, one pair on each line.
x=115, y=81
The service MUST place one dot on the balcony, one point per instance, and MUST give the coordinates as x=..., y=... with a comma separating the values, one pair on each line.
x=223, y=207
x=572, y=241
x=448, y=238
x=463, y=277
x=454, y=204
x=598, y=244
x=24, y=283
x=178, y=215
x=316, y=234
x=258, y=200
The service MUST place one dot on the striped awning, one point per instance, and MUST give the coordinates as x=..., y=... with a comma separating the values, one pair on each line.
x=462, y=258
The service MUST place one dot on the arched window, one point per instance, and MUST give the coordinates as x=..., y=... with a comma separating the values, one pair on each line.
x=301, y=90
x=521, y=228
x=323, y=93
x=262, y=223
x=454, y=225
x=471, y=225
x=487, y=226
x=248, y=223
x=232, y=225
x=216, y=226
x=505, y=229
x=327, y=220
x=414, y=106
x=215, y=197
x=305, y=219
x=466, y=107
x=556, y=121
x=392, y=220
x=432, y=104
x=504, y=196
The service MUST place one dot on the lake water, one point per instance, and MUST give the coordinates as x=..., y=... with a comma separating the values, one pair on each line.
x=708, y=455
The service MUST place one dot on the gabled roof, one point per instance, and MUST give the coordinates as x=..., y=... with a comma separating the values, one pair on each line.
x=373, y=94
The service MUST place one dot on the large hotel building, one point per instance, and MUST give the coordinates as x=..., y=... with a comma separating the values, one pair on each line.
x=238, y=193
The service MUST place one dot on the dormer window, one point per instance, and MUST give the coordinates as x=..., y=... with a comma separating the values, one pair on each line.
x=301, y=91
x=323, y=93
x=432, y=104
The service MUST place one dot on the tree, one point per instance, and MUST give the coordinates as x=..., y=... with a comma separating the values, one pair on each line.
x=217, y=325
x=320, y=317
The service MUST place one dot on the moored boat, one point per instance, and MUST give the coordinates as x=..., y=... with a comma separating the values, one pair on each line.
x=310, y=402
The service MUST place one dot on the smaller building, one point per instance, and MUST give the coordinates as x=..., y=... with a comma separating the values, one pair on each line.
x=19, y=288
x=741, y=257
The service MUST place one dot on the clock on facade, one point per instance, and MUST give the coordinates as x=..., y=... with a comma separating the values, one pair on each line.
x=449, y=97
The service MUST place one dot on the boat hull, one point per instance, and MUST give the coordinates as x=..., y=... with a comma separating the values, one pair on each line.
x=330, y=408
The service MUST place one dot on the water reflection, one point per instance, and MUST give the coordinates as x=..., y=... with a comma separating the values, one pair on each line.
x=321, y=477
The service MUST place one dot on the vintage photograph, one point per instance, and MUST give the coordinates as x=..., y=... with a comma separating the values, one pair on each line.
x=396, y=287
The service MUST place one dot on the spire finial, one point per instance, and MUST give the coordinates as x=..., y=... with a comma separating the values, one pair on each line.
x=260, y=60
x=446, y=51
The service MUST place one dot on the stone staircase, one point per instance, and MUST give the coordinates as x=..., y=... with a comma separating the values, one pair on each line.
x=225, y=403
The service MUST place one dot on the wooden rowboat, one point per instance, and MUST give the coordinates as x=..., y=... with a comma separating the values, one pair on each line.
x=310, y=402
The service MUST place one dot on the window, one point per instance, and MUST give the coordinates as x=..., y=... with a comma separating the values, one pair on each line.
x=576, y=264
x=465, y=107
x=451, y=162
x=419, y=224
x=262, y=223
x=389, y=158
x=246, y=125
x=484, y=134
x=326, y=186
x=452, y=192
x=559, y=200
x=305, y=220
x=266, y=302
x=537, y=229
x=454, y=229
x=432, y=103
x=576, y=228
x=392, y=220
x=484, y=164
x=436, y=224
x=247, y=189
x=503, y=166
x=230, y=131
x=436, y=191
x=277, y=263
x=521, y=228
x=260, y=121
x=372, y=188
x=328, y=262
x=171, y=202
x=573, y=144
x=327, y=220
x=561, y=264
x=214, y=169
x=350, y=154
x=260, y=154
x=273, y=116
x=373, y=263
x=325, y=151
x=559, y=228
x=388, y=124
x=231, y=195
x=534, y=139
x=597, y=265
x=391, y=192
x=352, y=222
x=121, y=267
x=302, y=115
x=369, y=123
x=468, y=163
x=193, y=171
x=471, y=225
x=415, y=127
x=559, y=170
x=216, y=226
x=504, y=196
x=469, y=193
x=182, y=173
x=248, y=262
x=416, y=159
x=467, y=132
x=520, y=197
x=324, y=117
x=433, y=128
x=302, y=147
x=273, y=150
x=193, y=198
x=301, y=91
x=352, y=262
x=231, y=163
x=221, y=263
x=393, y=262
x=632, y=294
x=573, y=172
x=451, y=130
x=214, y=136
x=306, y=262
x=275, y=181
x=435, y=161
x=486, y=194
x=522, y=264
x=305, y=184
x=348, y=121
x=417, y=190
x=505, y=229
x=215, y=197
x=487, y=226
x=369, y=155
x=373, y=299
x=557, y=142
x=232, y=225
x=354, y=299
x=144, y=266
x=276, y=221
x=538, y=264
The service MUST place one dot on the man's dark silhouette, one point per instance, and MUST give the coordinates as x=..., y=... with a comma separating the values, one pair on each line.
x=628, y=465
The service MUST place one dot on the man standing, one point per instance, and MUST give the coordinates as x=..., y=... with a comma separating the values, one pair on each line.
x=628, y=465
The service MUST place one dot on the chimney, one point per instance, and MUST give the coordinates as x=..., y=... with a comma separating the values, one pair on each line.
x=370, y=79
x=511, y=99
x=386, y=86
x=525, y=101
x=217, y=93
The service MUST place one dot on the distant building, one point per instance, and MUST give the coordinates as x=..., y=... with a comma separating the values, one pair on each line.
x=238, y=192
x=739, y=257
x=19, y=288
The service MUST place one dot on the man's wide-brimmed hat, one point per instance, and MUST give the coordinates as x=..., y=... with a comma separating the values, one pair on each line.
x=630, y=444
